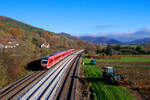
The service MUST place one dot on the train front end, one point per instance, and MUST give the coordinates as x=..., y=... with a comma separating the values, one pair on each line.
x=44, y=63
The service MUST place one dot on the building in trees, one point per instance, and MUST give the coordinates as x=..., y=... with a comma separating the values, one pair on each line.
x=45, y=45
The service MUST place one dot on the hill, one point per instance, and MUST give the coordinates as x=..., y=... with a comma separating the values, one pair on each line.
x=101, y=40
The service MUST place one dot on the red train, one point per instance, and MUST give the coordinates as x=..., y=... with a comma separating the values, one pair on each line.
x=50, y=60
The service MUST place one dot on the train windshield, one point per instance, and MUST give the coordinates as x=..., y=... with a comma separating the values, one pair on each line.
x=44, y=62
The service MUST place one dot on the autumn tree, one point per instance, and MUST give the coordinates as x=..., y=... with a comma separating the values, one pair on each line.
x=139, y=48
x=117, y=47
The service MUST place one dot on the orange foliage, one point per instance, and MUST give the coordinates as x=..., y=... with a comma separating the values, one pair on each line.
x=14, y=31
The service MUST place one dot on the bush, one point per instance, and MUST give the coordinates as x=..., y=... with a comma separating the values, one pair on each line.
x=35, y=41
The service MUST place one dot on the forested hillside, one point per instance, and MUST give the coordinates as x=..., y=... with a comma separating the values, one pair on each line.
x=12, y=29
x=15, y=61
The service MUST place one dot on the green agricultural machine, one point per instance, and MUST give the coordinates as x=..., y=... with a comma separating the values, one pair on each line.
x=93, y=62
x=110, y=75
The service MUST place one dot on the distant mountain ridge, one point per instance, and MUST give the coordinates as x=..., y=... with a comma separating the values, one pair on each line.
x=100, y=40
x=140, y=41
x=106, y=40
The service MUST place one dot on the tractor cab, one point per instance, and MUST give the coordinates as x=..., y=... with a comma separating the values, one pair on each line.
x=108, y=69
x=110, y=75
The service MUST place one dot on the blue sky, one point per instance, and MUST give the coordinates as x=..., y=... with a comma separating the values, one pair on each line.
x=82, y=17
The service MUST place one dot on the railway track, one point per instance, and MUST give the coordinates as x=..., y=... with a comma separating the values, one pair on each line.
x=46, y=88
x=38, y=85
x=68, y=88
x=19, y=86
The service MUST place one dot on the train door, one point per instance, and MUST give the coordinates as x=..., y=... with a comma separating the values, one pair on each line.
x=55, y=59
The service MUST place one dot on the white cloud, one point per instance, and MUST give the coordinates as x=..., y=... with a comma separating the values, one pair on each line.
x=129, y=36
x=143, y=31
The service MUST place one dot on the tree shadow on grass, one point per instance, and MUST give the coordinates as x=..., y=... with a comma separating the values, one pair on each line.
x=96, y=80
x=34, y=65
x=87, y=63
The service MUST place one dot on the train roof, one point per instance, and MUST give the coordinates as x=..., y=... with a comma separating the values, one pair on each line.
x=46, y=57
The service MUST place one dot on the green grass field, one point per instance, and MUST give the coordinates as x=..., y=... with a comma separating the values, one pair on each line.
x=131, y=46
x=126, y=59
x=104, y=91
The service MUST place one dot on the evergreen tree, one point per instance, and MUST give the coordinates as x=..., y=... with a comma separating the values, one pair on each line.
x=109, y=50
x=118, y=47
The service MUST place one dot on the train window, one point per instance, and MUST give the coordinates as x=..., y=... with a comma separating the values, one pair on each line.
x=44, y=62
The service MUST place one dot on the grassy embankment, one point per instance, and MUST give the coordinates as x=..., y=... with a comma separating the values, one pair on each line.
x=127, y=59
x=101, y=90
